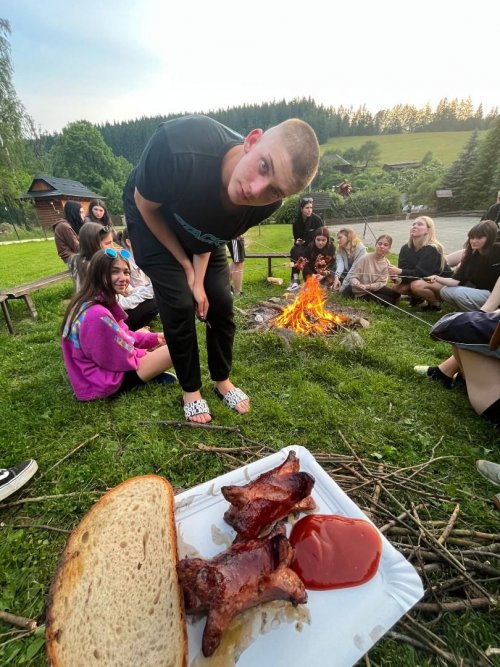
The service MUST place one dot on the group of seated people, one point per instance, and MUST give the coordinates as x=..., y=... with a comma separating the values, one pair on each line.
x=424, y=272
x=78, y=237
x=467, y=279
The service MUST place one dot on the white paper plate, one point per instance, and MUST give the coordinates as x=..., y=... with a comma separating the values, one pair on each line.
x=343, y=623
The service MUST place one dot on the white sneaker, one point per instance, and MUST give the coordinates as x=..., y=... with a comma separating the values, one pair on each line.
x=12, y=479
x=421, y=370
x=489, y=470
x=293, y=286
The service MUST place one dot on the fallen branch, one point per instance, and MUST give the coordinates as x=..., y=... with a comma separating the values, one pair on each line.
x=449, y=526
x=36, y=525
x=82, y=444
x=28, y=624
x=186, y=424
x=459, y=605
x=39, y=499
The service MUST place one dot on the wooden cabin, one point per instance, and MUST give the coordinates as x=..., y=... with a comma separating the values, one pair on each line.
x=49, y=194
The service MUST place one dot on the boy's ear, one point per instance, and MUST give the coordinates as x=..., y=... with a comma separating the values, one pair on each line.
x=252, y=138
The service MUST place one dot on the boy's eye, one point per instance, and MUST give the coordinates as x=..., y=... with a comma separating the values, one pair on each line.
x=264, y=167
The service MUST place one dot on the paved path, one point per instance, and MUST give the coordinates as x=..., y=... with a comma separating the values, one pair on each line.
x=451, y=231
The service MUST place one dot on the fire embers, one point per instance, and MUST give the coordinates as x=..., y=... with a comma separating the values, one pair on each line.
x=308, y=314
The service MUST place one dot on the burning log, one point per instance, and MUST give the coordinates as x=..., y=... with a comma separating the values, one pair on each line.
x=308, y=315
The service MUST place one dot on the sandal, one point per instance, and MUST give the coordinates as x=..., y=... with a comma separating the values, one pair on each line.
x=232, y=397
x=198, y=407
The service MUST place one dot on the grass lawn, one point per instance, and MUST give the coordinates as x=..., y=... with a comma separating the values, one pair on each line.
x=445, y=146
x=314, y=393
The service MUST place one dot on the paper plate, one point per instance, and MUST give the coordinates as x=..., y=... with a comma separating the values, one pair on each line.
x=335, y=627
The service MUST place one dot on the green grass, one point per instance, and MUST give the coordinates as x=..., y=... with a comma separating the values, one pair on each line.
x=23, y=262
x=444, y=146
x=302, y=395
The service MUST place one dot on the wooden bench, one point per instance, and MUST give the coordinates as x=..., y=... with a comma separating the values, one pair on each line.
x=25, y=291
x=269, y=256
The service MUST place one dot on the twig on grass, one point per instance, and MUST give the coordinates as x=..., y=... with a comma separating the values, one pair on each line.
x=211, y=427
x=36, y=525
x=82, y=444
x=40, y=499
x=449, y=526
x=459, y=605
x=28, y=624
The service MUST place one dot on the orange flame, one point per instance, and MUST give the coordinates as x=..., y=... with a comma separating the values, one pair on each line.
x=307, y=314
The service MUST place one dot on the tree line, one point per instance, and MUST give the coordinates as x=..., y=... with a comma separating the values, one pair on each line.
x=101, y=156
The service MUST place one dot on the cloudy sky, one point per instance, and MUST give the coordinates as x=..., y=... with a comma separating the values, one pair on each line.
x=112, y=60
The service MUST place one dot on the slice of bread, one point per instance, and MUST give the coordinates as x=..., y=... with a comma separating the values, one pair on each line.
x=115, y=598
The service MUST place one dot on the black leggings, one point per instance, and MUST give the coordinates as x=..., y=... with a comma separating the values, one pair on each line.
x=493, y=412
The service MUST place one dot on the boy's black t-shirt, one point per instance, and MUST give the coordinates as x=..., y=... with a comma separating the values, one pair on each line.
x=181, y=169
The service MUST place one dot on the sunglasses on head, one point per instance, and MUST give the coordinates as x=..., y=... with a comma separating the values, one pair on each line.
x=113, y=254
x=307, y=199
x=104, y=230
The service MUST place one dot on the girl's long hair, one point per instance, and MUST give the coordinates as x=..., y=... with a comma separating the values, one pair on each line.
x=484, y=228
x=96, y=288
x=72, y=215
x=430, y=239
x=353, y=239
x=91, y=235
x=105, y=220
x=329, y=249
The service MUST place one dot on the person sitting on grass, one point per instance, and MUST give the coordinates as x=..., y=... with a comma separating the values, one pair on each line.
x=304, y=226
x=475, y=337
x=102, y=356
x=350, y=251
x=92, y=238
x=422, y=256
x=479, y=270
x=139, y=301
x=319, y=258
x=369, y=281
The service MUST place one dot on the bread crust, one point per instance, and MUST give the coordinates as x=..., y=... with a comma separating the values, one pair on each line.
x=115, y=598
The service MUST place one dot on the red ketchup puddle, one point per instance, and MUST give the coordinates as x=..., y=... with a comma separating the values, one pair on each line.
x=333, y=551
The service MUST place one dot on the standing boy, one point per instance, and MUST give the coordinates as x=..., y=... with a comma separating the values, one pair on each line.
x=197, y=186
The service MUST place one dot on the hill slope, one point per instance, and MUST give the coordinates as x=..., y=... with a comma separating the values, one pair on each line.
x=444, y=146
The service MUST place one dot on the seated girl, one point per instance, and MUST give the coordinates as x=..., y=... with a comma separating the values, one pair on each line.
x=479, y=270
x=350, y=250
x=369, y=281
x=93, y=237
x=422, y=256
x=319, y=258
x=102, y=356
x=139, y=300
x=476, y=358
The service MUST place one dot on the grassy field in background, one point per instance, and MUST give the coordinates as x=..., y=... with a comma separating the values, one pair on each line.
x=444, y=146
x=307, y=393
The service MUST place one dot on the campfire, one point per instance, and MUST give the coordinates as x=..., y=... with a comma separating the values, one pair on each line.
x=308, y=314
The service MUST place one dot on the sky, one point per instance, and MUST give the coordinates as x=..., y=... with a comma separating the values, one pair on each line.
x=114, y=60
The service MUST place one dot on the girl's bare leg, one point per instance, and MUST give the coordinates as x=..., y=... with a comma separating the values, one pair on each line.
x=482, y=376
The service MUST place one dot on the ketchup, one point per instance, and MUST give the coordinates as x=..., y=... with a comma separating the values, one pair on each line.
x=333, y=551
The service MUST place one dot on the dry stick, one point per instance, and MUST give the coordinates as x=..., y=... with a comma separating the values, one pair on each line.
x=473, y=603
x=426, y=647
x=41, y=498
x=376, y=492
x=449, y=556
x=428, y=643
x=72, y=452
x=35, y=525
x=223, y=450
x=446, y=532
x=19, y=621
x=421, y=627
x=393, y=522
x=211, y=427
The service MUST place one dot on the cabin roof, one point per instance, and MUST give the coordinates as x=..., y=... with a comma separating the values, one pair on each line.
x=45, y=187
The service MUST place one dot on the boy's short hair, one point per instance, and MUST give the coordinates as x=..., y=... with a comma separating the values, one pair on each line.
x=303, y=148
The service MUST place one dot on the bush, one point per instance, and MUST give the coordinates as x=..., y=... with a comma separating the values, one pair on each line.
x=287, y=213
